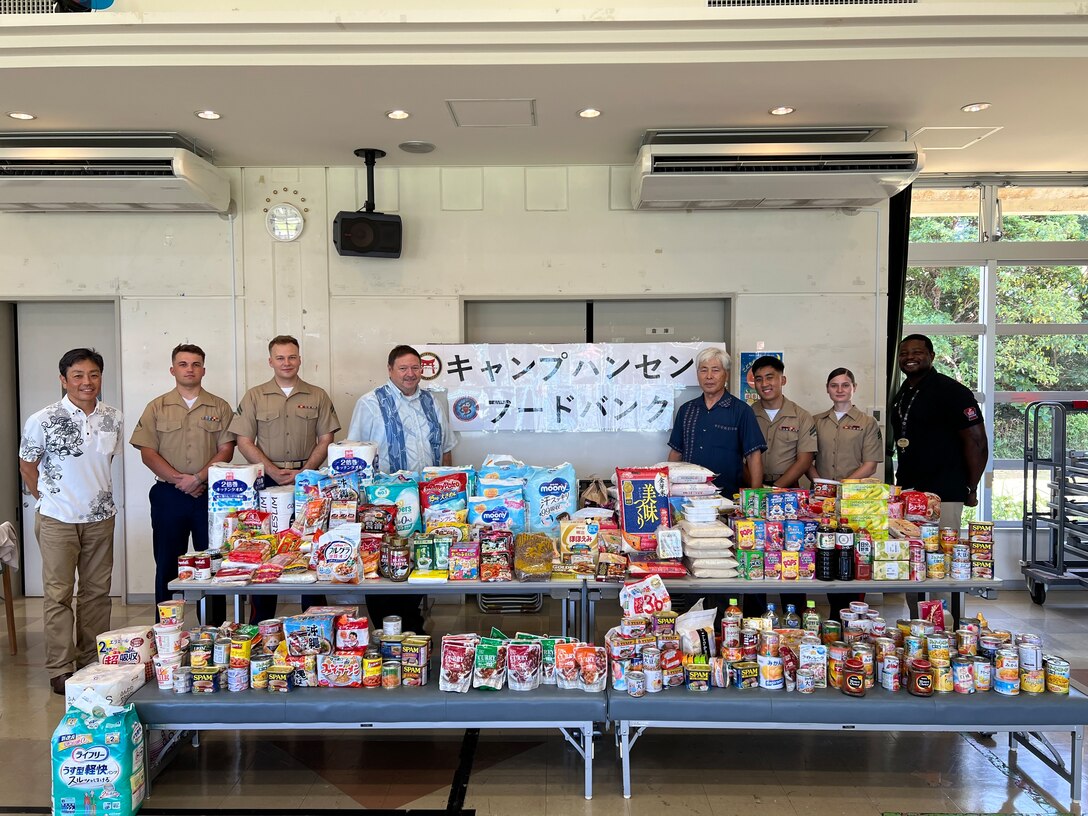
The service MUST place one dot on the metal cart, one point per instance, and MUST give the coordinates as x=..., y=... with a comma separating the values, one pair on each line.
x=1055, y=543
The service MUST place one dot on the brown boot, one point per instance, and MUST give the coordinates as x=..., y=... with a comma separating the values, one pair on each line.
x=58, y=682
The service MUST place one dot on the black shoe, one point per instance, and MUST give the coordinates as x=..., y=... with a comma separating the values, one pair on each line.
x=57, y=683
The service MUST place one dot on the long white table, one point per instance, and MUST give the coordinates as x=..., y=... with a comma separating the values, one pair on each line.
x=1023, y=717
x=573, y=712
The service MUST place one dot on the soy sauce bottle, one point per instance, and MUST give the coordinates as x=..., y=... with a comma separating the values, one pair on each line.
x=844, y=546
x=827, y=557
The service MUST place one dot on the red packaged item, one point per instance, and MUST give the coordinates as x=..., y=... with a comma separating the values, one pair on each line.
x=592, y=667
x=370, y=554
x=523, y=665
x=289, y=541
x=253, y=521
x=352, y=634
x=458, y=658
x=643, y=504
x=270, y=571
x=496, y=555
x=642, y=564
x=378, y=518
x=566, y=665
x=932, y=611
x=445, y=490
x=919, y=506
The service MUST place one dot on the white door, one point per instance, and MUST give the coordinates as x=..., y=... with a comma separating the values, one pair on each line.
x=46, y=330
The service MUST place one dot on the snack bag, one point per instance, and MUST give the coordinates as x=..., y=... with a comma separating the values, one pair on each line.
x=352, y=634
x=496, y=555
x=645, y=597
x=308, y=486
x=592, y=667
x=696, y=630
x=378, y=518
x=337, y=554
x=457, y=659
x=533, y=555
x=98, y=759
x=550, y=493
x=404, y=495
x=489, y=671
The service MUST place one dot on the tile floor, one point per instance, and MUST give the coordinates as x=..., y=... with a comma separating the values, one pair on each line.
x=531, y=774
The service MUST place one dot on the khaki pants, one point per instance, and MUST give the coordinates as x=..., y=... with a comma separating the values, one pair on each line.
x=68, y=549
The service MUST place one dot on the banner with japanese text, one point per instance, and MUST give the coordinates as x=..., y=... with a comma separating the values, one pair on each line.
x=572, y=387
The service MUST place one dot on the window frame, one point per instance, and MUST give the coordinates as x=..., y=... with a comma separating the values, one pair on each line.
x=988, y=256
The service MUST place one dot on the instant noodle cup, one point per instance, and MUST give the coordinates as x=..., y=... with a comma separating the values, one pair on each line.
x=165, y=668
x=171, y=613
x=167, y=638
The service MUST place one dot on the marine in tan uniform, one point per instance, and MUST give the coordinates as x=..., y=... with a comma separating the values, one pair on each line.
x=285, y=424
x=788, y=428
x=849, y=440
x=180, y=434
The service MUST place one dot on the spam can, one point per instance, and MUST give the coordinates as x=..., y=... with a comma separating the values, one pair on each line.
x=744, y=674
x=1057, y=674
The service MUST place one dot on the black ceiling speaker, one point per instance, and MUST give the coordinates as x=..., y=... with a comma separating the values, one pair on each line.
x=366, y=233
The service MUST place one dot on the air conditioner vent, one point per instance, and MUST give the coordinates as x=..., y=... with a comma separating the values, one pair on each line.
x=82, y=169
x=784, y=164
x=764, y=3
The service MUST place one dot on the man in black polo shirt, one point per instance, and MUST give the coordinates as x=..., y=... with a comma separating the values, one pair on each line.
x=940, y=440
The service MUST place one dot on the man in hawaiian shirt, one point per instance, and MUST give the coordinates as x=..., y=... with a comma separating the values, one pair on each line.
x=65, y=457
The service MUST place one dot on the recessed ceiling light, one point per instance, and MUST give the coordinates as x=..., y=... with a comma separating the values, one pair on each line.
x=975, y=107
x=207, y=114
x=416, y=146
x=23, y=115
x=781, y=110
x=589, y=113
x=397, y=114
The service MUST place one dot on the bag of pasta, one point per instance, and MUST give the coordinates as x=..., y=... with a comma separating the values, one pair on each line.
x=533, y=555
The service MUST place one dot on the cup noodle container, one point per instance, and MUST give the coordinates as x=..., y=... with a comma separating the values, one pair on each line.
x=350, y=456
x=164, y=670
x=168, y=639
x=171, y=613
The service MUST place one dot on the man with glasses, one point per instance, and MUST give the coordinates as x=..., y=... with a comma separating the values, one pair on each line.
x=411, y=430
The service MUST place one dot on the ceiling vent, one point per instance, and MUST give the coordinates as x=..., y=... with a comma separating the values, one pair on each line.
x=54, y=172
x=770, y=169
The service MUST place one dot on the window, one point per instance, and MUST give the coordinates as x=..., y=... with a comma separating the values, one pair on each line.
x=1007, y=312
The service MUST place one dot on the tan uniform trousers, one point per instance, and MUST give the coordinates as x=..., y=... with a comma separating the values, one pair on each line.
x=68, y=549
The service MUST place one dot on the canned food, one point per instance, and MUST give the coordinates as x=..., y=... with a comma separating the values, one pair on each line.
x=878, y=627
x=221, y=652
x=651, y=658
x=183, y=680
x=917, y=571
x=860, y=607
x=920, y=674
x=960, y=571
x=938, y=647
x=634, y=626
x=942, y=677
x=258, y=671
x=1032, y=681
x=963, y=675
x=654, y=682
x=205, y=680
x=866, y=654
x=914, y=646
x=966, y=642
x=372, y=668
x=980, y=531
x=831, y=631
x=697, y=676
x=238, y=679
x=771, y=675
x=983, y=673
x=806, y=681
x=988, y=646
x=202, y=567
x=769, y=643
x=200, y=653
x=837, y=653
x=1057, y=675
x=749, y=643
x=930, y=533
x=730, y=634
x=847, y=615
x=1010, y=688
x=935, y=570
x=185, y=567
x=853, y=678
x=961, y=552
x=392, y=625
x=392, y=646
x=391, y=673
x=890, y=667
x=1007, y=666
x=636, y=683
x=281, y=679
x=948, y=537
x=922, y=627
x=1031, y=656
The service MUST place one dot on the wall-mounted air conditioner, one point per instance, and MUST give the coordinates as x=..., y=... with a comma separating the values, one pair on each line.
x=768, y=170
x=105, y=175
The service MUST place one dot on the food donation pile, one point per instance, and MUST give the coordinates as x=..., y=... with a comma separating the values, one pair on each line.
x=508, y=521
x=654, y=649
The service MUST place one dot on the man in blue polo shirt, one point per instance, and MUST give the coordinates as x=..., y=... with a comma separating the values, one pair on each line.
x=717, y=430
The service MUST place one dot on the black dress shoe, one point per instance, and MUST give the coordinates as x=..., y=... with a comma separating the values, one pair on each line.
x=58, y=682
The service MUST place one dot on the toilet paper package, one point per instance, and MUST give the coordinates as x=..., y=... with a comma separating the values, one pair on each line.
x=115, y=683
x=350, y=456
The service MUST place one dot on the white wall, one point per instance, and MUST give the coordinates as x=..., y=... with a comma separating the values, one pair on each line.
x=809, y=283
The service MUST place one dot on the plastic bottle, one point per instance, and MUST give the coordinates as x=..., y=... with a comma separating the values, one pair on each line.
x=792, y=619
x=811, y=620
x=770, y=618
x=844, y=544
x=732, y=612
x=827, y=557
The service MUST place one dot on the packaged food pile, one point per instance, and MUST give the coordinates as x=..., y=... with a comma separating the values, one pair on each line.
x=522, y=663
x=347, y=524
x=653, y=649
